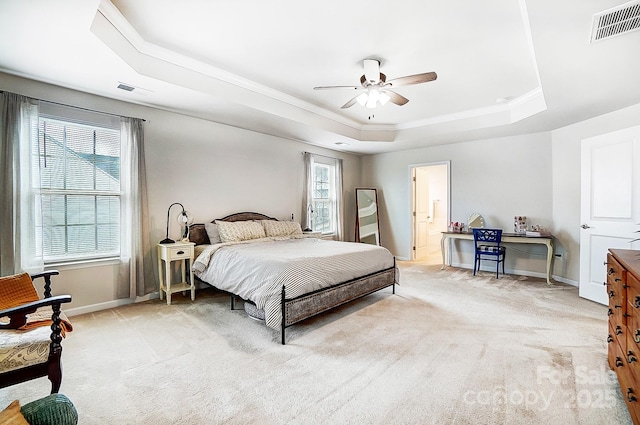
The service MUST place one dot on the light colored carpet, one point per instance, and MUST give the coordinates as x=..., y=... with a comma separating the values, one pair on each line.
x=448, y=348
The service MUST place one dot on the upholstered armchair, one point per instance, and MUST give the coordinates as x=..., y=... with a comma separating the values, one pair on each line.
x=31, y=330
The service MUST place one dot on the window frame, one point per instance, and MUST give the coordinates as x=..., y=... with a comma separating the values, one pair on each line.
x=328, y=164
x=73, y=117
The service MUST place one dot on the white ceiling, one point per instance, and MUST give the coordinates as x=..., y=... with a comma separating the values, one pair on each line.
x=504, y=66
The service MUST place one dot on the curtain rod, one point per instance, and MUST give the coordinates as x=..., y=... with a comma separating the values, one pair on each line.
x=317, y=154
x=77, y=107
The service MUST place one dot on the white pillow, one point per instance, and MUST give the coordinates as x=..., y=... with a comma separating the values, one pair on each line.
x=212, y=232
x=281, y=228
x=236, y=231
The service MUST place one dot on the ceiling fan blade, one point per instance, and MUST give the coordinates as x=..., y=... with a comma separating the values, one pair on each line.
x=412, y=79
x=371, y=70
x=336, y=87
x=350, y=103
x=396, y=98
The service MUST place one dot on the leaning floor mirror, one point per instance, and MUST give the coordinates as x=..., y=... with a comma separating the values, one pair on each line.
x=367, y=223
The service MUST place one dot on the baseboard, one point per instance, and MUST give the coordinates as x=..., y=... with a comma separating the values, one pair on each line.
x=109, y=304
x=520, y=273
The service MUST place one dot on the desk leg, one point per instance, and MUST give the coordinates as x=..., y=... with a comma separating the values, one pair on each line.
x=442, y=251
x=549, y=260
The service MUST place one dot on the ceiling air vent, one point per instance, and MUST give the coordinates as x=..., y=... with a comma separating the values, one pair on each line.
x=125, y=87
x=616, y=21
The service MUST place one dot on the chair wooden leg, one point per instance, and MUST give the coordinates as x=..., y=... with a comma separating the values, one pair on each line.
x=55, y=374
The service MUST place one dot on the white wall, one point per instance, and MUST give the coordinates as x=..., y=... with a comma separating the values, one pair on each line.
x=499, y=178
x=212, y=169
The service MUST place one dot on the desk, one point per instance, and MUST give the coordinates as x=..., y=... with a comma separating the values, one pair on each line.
x=506, y=238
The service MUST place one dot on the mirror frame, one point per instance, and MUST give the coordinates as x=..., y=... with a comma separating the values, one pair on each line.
x=374, y=197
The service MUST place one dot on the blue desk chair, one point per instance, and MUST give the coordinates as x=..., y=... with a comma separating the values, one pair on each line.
x=487, y=247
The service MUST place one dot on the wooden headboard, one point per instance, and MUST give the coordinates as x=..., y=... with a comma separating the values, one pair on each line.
x=198, y=234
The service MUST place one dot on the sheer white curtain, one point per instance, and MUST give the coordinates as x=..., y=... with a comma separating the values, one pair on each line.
x=20, y=244
x=136, y=277
x=339, y=202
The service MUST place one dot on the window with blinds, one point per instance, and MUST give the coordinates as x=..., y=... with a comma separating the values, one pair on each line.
x=79, y=166
x=323, y=176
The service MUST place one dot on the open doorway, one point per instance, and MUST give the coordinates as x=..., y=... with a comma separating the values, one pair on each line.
x=430, y=191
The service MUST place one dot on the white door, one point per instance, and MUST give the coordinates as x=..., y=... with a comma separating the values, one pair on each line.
x=610, y=205
x=430, y=209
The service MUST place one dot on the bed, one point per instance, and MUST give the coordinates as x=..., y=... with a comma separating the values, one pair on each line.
x=283, y=275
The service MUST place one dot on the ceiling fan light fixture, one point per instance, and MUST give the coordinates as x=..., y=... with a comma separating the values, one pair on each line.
x=384, y=98
x=362, y=99
x=371, y=103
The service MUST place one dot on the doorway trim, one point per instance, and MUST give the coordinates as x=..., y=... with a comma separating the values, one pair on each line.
x=412, y=200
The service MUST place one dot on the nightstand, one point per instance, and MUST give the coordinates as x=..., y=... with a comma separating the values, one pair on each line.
x=178, y=251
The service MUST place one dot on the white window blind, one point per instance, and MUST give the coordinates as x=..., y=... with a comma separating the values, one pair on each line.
x=79, y=165
x=324, y=199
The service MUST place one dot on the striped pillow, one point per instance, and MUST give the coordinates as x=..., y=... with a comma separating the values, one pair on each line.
x=237, y=231
x=281, y=228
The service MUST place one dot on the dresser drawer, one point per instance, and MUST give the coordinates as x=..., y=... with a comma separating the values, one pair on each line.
x=617, y=291
x=633, y=309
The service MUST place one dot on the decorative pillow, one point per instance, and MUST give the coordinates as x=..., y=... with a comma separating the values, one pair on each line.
x=16, y=290
x=12, y=415
x=281, y=228
x=213, y=233
x=236, y=231
x=53, y=409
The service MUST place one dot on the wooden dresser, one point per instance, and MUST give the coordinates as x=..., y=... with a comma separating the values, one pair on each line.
x=623, y=287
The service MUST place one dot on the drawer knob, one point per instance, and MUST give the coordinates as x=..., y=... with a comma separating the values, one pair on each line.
x=612, y=294
x=617, y=306
x=609, y=339
x=611, y=271
x=619, y=362
x=630, y=396
x=617, y=279
x=637, y=301
x=636, y=336
x=180, y=252
x=631, y=357
x=610, y=312
x=618, y=330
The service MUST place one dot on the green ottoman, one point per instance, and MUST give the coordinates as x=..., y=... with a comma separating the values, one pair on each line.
x=54, y=409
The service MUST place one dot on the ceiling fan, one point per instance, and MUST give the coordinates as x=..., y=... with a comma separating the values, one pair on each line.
x=376, y=89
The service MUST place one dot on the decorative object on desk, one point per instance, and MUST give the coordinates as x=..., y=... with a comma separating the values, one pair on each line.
x=537, y=231
x=520, y=224
x=183, y=219
x=456, y=227
x=475, y=221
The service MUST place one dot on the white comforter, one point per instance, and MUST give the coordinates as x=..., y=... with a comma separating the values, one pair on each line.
x=256, y=270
